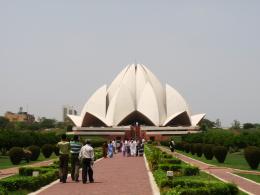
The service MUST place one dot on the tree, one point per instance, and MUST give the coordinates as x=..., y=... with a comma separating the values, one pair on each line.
x=206, y=124
x=3, y=122
x=248, y=126
x=235, y=124
x=218, y=123
x=47, y=123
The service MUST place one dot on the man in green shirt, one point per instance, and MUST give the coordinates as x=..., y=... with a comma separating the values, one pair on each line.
x=64, y=148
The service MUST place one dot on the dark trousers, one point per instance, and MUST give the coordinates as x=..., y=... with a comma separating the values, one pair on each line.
x=75, y=166
x=63, y=169
x=87, y=170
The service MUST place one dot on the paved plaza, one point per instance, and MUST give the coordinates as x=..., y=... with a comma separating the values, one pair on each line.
x=118, y=175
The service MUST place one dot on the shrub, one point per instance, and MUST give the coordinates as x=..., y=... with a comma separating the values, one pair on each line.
x=171, y=161
x=187, y=147
x=192, y=149
x=208, y=151
x=167, y=156
x=3, y=191
x=47, y=150
x=169, y=167
x=56, y=150
x=198, y=149
x=16, y=155
x=252, y=156
x=35, y=152
x=27, y=182
x=220, y=153
x=190, y=170
x=164, y=143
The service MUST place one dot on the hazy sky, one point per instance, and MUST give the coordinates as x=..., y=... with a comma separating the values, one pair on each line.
x=59, y=52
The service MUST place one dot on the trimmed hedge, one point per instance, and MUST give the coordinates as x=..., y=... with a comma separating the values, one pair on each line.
x=187, y=147
x=47, y=150
x=190, y=171
x=35, y=151
x=220, y=153
x=252, y=156
x=3, y=191
x=198, y=149
x=192, y=149
x=14, y=183
x=171, y=161
x=170, y=167
x=16, y=155
x=208, y=151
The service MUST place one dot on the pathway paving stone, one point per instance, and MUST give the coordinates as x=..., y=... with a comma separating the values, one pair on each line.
x=118, y=175
x=222, y=173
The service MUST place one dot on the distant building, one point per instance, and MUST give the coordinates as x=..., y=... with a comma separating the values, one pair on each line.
x=68, y=110
x=20, y=116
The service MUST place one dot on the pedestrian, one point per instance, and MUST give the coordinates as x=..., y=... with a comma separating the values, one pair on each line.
x=128, y=151
x=110, y=150
x=123, y=149
x=172, y=145
x=132, y=147
x=75, y=147
x=64, y=149
x=86, y=156
x=114, y=146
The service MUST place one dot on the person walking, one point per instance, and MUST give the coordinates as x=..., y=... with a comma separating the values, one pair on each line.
x=110, y=150
x=172, y=145
x=123, y=149
x=64, y=149
x=75, y=147
x=86, y=155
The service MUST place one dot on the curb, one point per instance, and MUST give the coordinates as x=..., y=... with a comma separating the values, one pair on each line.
x=153, y=184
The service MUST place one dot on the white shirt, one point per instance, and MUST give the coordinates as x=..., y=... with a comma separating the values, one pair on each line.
x=86, y=152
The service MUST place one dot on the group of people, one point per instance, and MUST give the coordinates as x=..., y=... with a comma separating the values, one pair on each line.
x=80, y=155
x=127, y=147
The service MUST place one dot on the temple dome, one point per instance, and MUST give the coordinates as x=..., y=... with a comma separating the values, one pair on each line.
x=136, y=95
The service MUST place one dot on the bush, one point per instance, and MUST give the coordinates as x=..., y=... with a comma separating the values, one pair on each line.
x=220, y=153
x=47, y=150
x=190, y=170
x=208, y=151
x=164, y=143
x=169, y=167
x=193, y=149
x=56, y=150
x=171, y=161
x=27, y=182
x=198, y=149
x=35, y=152
x=252, y=156
x=16, y=155
x=167, y=156
x=3, y=191
x=187, y=147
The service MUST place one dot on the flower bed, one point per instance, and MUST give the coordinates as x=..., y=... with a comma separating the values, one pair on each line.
x=187, y=179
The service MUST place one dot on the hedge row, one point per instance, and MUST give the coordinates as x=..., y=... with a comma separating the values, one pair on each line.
x=30, y=183
x=209, y=150
x=159, y=163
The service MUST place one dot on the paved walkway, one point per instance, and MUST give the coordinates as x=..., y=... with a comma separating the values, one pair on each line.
x=224, y=174
x=15, y=170
x=119, y=175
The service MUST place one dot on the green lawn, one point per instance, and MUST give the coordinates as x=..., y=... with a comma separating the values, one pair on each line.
x=255, y=178
x=233, y=160
x=6, y=163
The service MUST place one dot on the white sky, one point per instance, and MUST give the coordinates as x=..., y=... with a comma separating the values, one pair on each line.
x=59, y=52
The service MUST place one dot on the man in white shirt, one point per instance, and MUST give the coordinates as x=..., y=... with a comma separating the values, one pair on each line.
x=86, y=155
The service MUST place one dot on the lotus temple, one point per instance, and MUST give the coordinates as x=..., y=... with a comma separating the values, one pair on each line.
x=136, y=104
